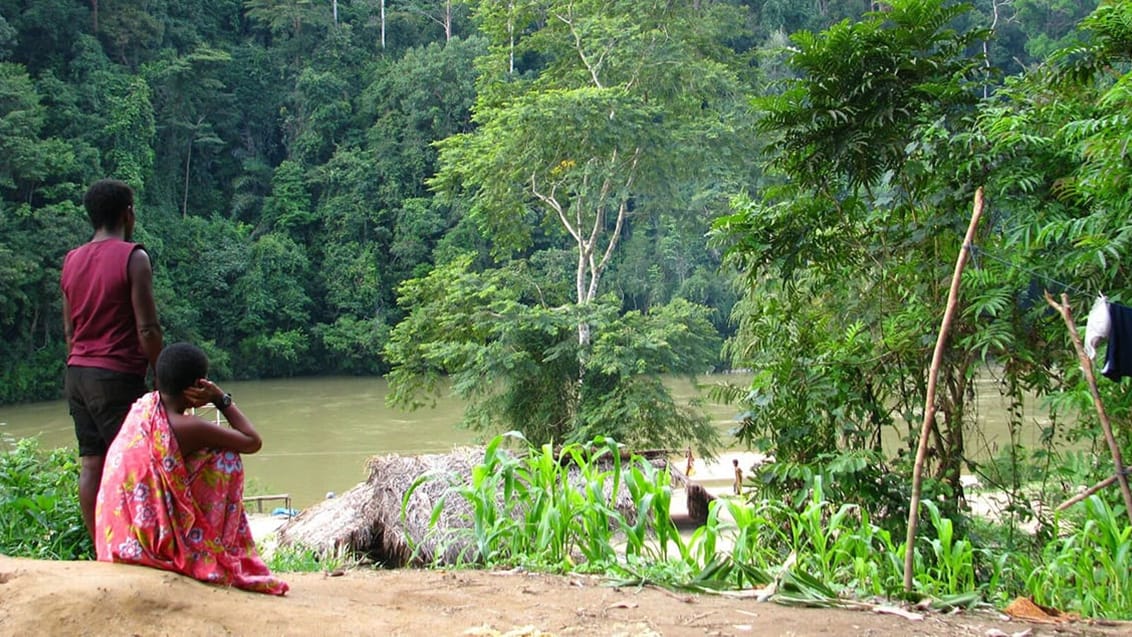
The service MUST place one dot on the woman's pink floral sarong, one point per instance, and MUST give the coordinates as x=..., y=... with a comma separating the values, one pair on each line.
x=186, y=515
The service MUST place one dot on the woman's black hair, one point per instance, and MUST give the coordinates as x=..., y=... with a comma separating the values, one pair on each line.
x=179, y=366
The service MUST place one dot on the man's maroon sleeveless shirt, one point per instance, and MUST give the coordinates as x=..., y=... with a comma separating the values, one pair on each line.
x=96, y=284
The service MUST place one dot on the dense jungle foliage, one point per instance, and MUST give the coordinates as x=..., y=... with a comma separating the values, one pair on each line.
x=281, y=151
x=550, y=205
x=553, y=204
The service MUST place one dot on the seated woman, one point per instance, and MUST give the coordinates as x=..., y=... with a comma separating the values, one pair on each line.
x=172, y=492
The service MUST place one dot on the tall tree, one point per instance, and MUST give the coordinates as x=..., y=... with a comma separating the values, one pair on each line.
x=1059, y=139
x=619, y=110
x=506, y=340
x=848, y=251
x=188, y=97
x=627, y=97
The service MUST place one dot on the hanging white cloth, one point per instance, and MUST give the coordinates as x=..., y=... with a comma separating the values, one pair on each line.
x=1098, y=327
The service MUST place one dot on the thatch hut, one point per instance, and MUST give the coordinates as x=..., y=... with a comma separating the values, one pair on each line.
x=369, y=519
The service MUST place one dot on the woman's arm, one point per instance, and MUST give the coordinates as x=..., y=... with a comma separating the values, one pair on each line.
x=195, y=433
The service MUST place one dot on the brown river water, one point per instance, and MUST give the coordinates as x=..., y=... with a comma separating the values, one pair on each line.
x=318, y=432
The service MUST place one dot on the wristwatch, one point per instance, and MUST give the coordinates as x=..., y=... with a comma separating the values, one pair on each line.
x=222, y=403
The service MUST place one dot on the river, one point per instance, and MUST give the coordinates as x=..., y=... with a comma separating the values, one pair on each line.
x=318, y=432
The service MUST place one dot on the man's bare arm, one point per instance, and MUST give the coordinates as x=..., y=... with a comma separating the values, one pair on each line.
x=145, y=308
x=68, y=325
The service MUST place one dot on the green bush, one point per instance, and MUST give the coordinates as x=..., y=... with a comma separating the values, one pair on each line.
x=39, y=504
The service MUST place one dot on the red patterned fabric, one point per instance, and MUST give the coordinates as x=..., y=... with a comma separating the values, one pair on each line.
x=184, y=515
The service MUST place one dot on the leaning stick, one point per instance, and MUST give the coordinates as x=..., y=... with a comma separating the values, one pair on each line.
x=1087, y=368
x=933, y=377
x=1088, y=492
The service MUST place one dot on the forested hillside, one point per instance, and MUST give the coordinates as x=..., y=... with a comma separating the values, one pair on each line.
x=289, y=179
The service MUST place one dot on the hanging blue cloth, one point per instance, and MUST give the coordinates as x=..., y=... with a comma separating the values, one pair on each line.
x=1118, y=358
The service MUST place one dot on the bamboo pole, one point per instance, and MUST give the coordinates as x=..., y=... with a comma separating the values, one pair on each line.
x=1087, y=367
x=933, y=378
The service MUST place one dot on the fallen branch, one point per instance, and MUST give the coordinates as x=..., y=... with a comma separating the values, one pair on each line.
x=1088, y=492
x=899, y=612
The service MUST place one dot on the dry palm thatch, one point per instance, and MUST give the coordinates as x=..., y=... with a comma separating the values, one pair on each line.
x=368, y=519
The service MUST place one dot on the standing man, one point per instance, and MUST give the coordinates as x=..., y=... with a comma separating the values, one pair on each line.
x=110, y=321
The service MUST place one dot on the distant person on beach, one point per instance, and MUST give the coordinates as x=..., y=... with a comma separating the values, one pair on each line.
x=690, y=463
x=738, y=476
x=172, y=492
x=110, y=323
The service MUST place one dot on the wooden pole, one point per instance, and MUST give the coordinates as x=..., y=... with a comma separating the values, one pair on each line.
x=1087, y=368
x=933, y=377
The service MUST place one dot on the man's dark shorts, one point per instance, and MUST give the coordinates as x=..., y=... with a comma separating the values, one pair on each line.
x=99, y=400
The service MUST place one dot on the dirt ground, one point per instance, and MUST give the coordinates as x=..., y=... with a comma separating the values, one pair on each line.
x=91, y=598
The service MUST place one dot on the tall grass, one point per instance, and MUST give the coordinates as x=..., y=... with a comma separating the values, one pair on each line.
x=303, y=559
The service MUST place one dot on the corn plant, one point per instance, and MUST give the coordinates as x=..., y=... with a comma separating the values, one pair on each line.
x=759, y=540
x=1090, y=569
x=651, y=533
x=817, y=536
x=951, y=569
x=840, y=547
x=559, y=511
x=595, y=514
x=493, y=482
x=875, y=563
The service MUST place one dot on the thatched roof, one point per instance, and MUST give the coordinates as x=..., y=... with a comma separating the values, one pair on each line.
x=367, y=519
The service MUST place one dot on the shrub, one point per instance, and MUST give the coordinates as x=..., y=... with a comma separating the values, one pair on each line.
x=39, y=504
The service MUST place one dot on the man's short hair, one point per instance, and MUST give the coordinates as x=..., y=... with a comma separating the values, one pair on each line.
x=105, y=200
x=179, y=366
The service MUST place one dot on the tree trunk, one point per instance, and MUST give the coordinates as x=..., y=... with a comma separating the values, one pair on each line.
x=32, y=330
x=448, y=20
x=511, y=38
x=185, y=195
x=188, y=165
